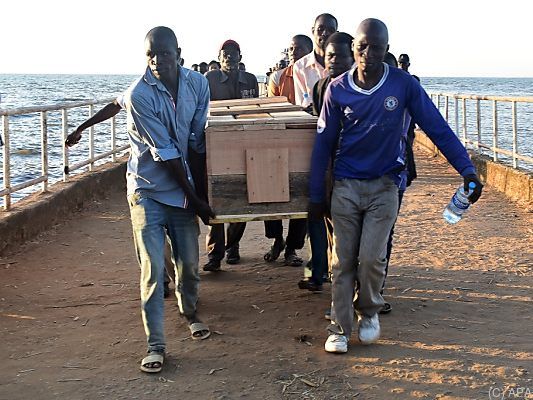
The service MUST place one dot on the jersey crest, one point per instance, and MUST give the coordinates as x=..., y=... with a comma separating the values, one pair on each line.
x=391, y=103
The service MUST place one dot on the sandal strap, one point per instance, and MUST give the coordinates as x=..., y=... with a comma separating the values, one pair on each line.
x=198, y=327
x=153, y=357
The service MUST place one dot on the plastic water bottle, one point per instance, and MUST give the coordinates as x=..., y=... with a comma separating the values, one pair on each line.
x=306, y=100
x=458, y=204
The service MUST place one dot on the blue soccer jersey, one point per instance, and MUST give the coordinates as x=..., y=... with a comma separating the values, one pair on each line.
x=371, y=142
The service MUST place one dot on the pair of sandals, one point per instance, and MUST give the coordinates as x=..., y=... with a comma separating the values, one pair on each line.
x=153, y=362
x=291, y=258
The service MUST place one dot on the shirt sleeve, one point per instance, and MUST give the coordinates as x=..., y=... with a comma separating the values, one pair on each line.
x=328, y=130
x=299, y=84
x=273, y=88
x=120, y=100
x=151, y=130
x=197, y=138
x=429, y=118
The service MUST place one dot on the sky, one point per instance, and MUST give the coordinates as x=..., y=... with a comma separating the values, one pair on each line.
x=455, y=38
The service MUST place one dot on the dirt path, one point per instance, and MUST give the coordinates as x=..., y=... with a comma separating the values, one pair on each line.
x=461, y=326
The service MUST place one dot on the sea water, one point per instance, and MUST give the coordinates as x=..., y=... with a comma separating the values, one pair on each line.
x=34, y=90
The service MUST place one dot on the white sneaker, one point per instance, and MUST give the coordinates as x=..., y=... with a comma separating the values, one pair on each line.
x=369, y=329
x=336, y=344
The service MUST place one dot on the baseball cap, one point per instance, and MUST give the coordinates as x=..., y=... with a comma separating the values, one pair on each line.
x=404, y=58
x=230, y=43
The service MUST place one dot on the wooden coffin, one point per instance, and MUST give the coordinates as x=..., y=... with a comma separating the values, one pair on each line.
x=258, y=159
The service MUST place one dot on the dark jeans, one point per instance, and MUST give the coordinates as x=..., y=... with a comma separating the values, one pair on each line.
x=295, y=235
x=321, y=238
x=389, y=242
x=217, y=243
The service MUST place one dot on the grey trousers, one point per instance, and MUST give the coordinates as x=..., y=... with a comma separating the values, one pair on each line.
x=363, y=213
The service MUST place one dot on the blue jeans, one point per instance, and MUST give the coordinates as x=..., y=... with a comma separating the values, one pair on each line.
x=152, y=222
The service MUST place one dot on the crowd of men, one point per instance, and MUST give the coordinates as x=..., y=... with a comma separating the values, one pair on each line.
x=366, y=112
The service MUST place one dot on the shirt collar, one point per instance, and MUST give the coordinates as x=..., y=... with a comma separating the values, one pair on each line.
x=150, y=79
x=224, y=77
x=310, y=60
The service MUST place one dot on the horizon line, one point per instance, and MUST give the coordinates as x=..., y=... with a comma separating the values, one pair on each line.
x=137, y=74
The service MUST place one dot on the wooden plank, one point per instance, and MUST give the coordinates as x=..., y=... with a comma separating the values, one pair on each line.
x=222, y=118
x=280, y=105
x=303, y=125
x=220, y=219
x=249, y=127
x=253, y=109
x=243, y=102
x=228, y=196
x=242, y=108
x=230, y=121
x=267, y=175
x=291, y=114
x=253, y=116
x=226, y=151
x=299, y=120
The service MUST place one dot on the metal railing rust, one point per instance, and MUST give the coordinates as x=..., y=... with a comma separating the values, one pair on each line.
x=478, y=141
x=8, y=189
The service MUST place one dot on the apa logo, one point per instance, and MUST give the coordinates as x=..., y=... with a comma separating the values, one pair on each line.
x=391, y=103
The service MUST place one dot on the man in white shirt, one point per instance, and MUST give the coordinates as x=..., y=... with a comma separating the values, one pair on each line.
x=310, y=69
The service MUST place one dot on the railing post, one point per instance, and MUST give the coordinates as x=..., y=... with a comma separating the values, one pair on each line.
x=478, y=117
x=113, y=139
x=91, y=139
x=515, y=134
x=464, y=122
x=7, y=162
x=494, y=130
x=44, y=149
x=438, y=102
x=446, y=108
x=64, y=146
x=456, y=107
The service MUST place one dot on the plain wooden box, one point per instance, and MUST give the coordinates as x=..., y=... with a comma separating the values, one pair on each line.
x=258, y=159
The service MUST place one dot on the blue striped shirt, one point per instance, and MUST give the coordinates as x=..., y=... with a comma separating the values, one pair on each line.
x=159, y=130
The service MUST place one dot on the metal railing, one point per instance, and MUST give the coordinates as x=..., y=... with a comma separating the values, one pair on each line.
x=503, y=142
x=44, y=176
x=466, y=125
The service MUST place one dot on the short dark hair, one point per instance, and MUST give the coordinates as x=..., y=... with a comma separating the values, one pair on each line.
x=327, y=15
x=340, y=38
x=164, y=31
x=390, y=59
x=203, y=63
x=403, y=58
x=305, y=40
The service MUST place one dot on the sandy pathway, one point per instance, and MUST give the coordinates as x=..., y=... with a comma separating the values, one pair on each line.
x=461, y=326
